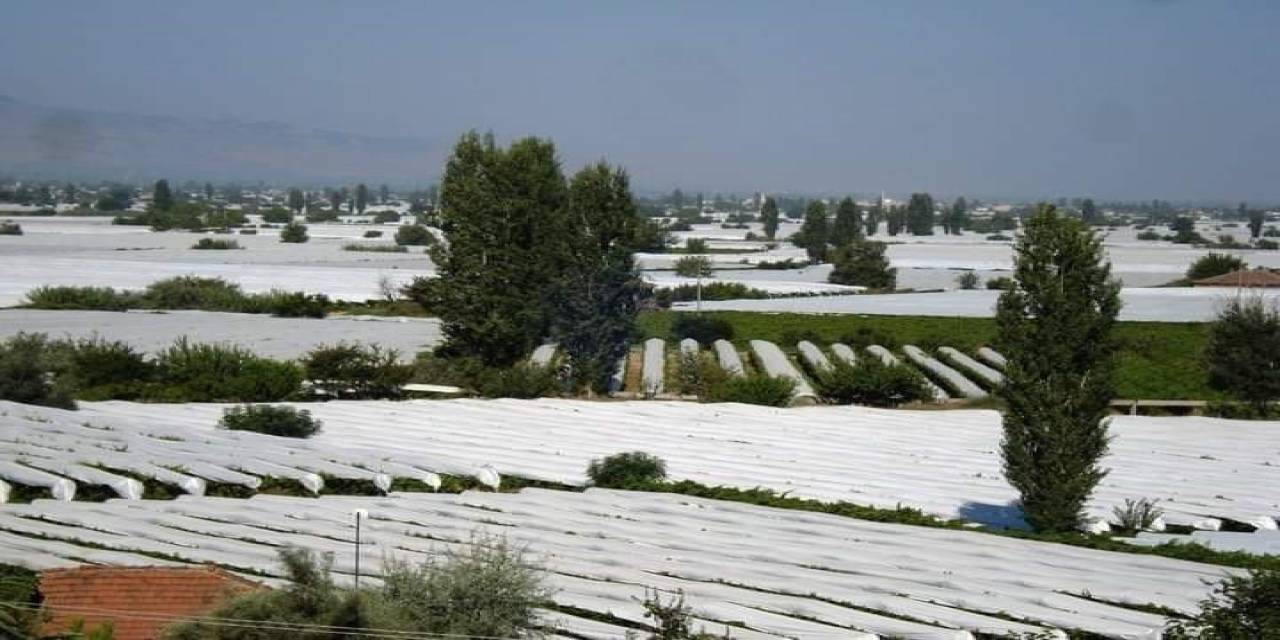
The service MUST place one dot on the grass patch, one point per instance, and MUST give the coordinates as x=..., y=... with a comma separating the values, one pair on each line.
x=1158, y=360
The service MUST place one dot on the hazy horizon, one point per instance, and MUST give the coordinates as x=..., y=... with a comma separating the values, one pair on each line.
x=1115, y=100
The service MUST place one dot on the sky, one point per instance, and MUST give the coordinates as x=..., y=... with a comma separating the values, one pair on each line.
x=1136, y=99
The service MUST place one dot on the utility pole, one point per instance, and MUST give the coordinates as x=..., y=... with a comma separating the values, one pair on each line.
x=358, y=513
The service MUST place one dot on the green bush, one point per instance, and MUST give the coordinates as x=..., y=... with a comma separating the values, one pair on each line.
x=193, y=292
x=286, y=304
x=99, y=368
x=28, y=372
x=710, y=291
x=754, y=389
x=1214, y=264
x=373, y=233
x=870, y=382
x=782, y=265
x=283, y=421
x=415, y=235
x=384, y=217
x=93, y=298
x=1242, y=352
x=1241, y=608
x=1267, y=245
x=376, y=248
x=863, y=263
x=622, y=470
x=277, y=215
x=967, y=280
x=248, y=232
x=1001, y=283
x=222, y=373
x=697, y=375
x=10, y=228
x=212, y=244
x=522, y=380
x=862, y=337
x=294, y=232
x=356, y=371
x=1149, y=235
x=702, y=328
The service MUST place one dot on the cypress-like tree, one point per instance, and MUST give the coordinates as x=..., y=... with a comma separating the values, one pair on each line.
x=502, y=213
x=814, y=233
x=1055, y=326
x=161, y=196
x=384, y=194
x=1256, y=219
x=1089, y=212
x=336, y=197
x=874, y=215
x=958, y=217
x=769, y=216
x=896, y=219
x=362, y=198
x=920, y=214
x=848, y=223
x=596, y=298
x=296, y=200
x=862, y=263
x=1243, y=353
x=208, y=192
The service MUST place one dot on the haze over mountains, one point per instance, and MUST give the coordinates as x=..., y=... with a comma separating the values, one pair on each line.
x=58, y=143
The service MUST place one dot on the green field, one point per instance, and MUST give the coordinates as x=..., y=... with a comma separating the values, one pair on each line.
x=1158, y=360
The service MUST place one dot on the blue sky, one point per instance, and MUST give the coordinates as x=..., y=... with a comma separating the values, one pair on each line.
x=1109, y=98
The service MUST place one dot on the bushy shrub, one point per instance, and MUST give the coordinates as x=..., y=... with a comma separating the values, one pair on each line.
x=967, y=280
x=212, y=244
x=522, y=380
x=286, y=304
x=248, y=232
x=193, y=292
x=870, y=382
x=283, y=420
x=415, y=235
x=10, y=228
x=1214, y=264
x=622, y=470
x=710, y=291
x=357, y=371
x=863, y=263
x=194, y=372
x=383, y=217
x=294, y=232
x=373, y=233
x=754, y=389
x=696, y=375
x=1241, y=608
x=1001, y=283
x=94, y=298
x=28, y=372
x=781, y=265
x=1266, y=245
x=277, y=215
x=1242, y=351
x=999, y=237
x=862, y=337
x=376, y=248
x=1149, y=235
x=703, y=328
x=695, y=245
x=1136, y=515
x=97, y=368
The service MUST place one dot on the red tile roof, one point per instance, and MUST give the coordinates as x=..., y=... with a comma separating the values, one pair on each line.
x=1243, y=278
x=98, y=594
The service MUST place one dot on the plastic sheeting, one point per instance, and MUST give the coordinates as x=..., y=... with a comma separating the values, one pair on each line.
x=954, y=379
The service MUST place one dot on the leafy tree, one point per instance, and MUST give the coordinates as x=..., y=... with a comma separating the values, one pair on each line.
x=957, y=217
x=161, y=196
x=70, y=193
x=920, y=214
x=1240, y=608
x=874, y=215
x=1214, y=264
x=415, y=235
x=384, y=194
x=296, y=200
x=621, y=470
x=895, y=219
x=1054, y=327
x=294, y=232
x=848, y=223
x=597, y=296
x=1243, y=352
x=336, y=198
x=27, y=372
x=814, y=234
x=362, y=198
x=1184, y=231
x=1256, y=219
x=694, y=267
x=677, y=199
x=870, y=382
x=967, y=280
x=1089, y=212
x=277, y=215
x=502, y=212
x=863, y=263
x=695, y=245
x=769, y=216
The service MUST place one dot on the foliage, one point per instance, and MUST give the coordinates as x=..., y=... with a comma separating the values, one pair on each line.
x=847, y=226
x=780, y=265
x=1000, y=283
x=594, y=301
x=193, y=372
x=522, y=380
x=375, y=248
x=713, y=290
x=97, y=367
x=283, y=420
x=697, y=375
x=863, y=264
x=695, y=245
x=870, y=382
x=295, y=233
x=967, y=280
x=703, y=328
x=1243, y=352
x=215, y=244
x=1136, y=515
x=356, y=371
x=10, y=228
x=277, y=215
x=757, y=388
x=1055, y=328
x=694, y=267
x=182, y=292
x=769, y=216
x=286, y=304
x=503, y=217
x=621, y=470
x=1214, y=264
x=415, y=235
x=68, y=297
x=1240, y=608
x=1149, y=235
x=373, y=233
x=814, y=233
x=27, y=372
x=386, y=216
x=920, y=214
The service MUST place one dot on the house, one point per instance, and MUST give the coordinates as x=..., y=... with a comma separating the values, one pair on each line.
x=1252, y=278
x=138, y=601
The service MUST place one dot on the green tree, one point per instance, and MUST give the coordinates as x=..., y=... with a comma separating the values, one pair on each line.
x=1256, y=219
x=895, y=219
x=957, y=217
x=863, y=263
x=920, y=214
x=296, y=200
x=70, y=193
x=1184, y=231
x=336, y=198
x=769, y=216
x=1240, y=608
x=208, y=192
x=814, y=234
x=848, y=223
x=384, y=194
x=874, y=215
x=694, y=267
x=1089, y=212
x=502, y=212
x=1214, y=264
x=362, y=198
x=161, y=196
x=1055, y=328
x=597, y=296
x=1243, y=352
x=294, y=232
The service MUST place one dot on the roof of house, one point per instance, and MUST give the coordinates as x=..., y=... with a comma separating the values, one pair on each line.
x=96, y=594
x=1242, y=278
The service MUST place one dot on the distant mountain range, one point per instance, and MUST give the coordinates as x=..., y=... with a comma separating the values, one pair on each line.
x=46, y=142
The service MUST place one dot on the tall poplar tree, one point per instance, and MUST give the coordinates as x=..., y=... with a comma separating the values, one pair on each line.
x=848, y=223
x=769, y=216
x=161, y=196
x=502, y=212
x=596, y=297
x=1054, y=326
x=814, y=233
x=920, y=214
x=957, y=217
x=361, y=198
x=874, y=215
